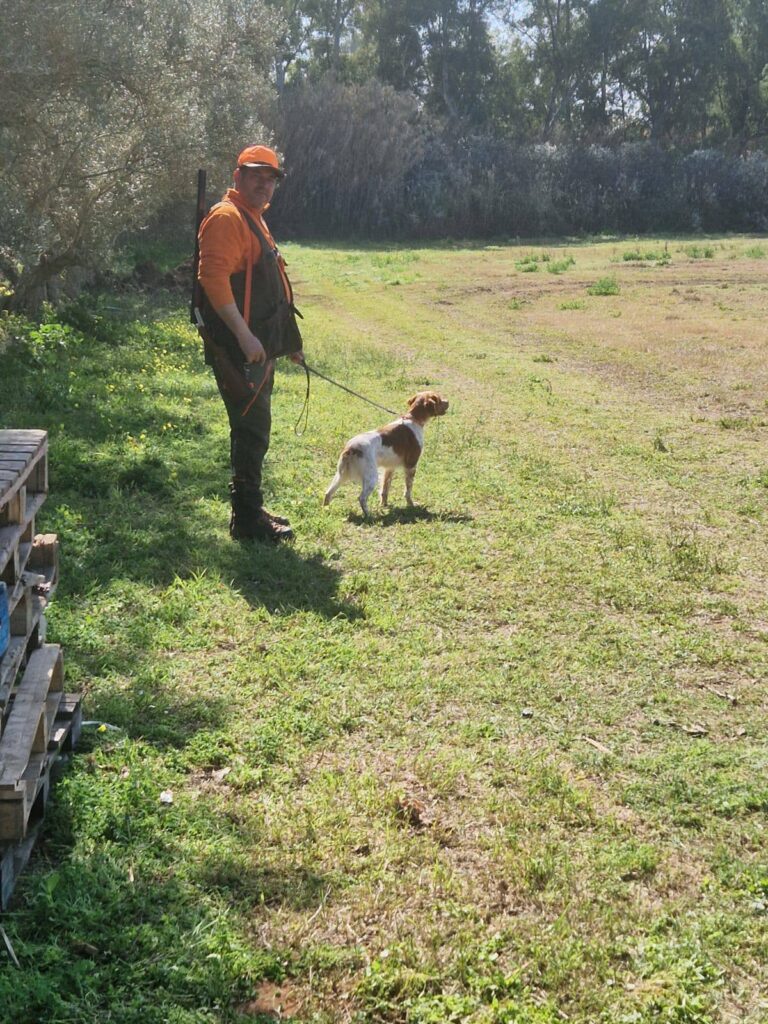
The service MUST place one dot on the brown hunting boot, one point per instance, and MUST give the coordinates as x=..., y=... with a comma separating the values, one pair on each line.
x=251, y=522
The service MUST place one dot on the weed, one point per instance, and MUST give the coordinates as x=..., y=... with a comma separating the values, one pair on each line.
x=660, y=445
x=604, y=286
x=530, y=264
x=560, y=266
x=662, y=257
x=698, y=252
x=690, y=558
x=734, y=422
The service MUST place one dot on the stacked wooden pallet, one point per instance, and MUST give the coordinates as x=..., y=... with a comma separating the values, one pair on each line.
x=38, y=721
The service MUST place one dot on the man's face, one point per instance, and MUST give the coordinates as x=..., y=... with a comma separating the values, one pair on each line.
x=255, y=185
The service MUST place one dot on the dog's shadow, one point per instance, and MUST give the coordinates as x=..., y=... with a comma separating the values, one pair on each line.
x=406, y=516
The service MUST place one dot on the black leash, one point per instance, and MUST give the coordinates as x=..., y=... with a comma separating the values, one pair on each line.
x=305, y=410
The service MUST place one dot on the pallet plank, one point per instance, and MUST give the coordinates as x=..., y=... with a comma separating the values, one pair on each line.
x=14, y=511
x=31, y=447
x=20, y=648
x=11, y=536
x=18, y=436
x=26, y=730
x=45, y=554
x=20, y=817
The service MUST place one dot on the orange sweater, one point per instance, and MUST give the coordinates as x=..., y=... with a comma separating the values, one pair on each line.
x=227, y=245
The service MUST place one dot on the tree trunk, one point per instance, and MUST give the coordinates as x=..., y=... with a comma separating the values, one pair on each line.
x=32, y=288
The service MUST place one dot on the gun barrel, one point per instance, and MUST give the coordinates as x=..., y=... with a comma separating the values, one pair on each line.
x=194, y=312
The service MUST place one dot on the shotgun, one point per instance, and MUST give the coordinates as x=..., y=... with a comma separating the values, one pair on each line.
x=194, y=310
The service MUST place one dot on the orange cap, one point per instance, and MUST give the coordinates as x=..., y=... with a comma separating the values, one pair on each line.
x=260, y=156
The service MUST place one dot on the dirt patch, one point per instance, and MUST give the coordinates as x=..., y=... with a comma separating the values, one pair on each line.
x=278, y=1002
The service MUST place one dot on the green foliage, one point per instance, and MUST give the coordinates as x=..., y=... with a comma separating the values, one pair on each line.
x=660, y=256
x=605, y=286
x=529, y=264
x=560, y=266
x=698, y=252
x=129, y=101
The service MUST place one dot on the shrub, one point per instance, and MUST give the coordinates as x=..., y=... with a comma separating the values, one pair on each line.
x=605, y=286
x=560, y=266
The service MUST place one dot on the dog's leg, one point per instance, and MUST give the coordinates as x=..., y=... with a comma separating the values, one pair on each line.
x=386, y=480
x=409, y=475
x=342, y=473
x=370, y=479
x=332, y=488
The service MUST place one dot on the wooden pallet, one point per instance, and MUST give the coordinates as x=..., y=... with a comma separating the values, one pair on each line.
x=27, y=603
x=64, y=736
x=38, y=721
x=23, y=489
x=23, y=470
x=13, y=860
x=38, y=726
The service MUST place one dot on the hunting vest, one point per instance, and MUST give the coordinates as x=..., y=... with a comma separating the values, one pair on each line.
x=267, y=292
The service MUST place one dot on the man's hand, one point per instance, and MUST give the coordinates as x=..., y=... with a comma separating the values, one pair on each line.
x=297, y=357
x=249, y=344
x=252, y=348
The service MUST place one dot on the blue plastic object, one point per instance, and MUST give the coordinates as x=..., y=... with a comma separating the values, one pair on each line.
x=5, y=620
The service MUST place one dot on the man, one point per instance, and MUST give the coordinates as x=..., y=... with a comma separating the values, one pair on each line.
x=247, y=308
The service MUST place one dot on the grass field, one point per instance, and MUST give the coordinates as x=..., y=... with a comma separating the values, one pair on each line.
x=501, y=758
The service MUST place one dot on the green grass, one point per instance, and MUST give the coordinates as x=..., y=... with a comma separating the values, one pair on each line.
x=496, y=758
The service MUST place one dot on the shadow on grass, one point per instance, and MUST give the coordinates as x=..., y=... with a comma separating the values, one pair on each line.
x=407, y=516
x=171, y=543
x=151, y=522
x=280, y=579
x=135, y=937
x=157, y=715
x=130, y=499
x=293, y=887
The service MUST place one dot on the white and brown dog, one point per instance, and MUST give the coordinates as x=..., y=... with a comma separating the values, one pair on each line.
x=388, y=448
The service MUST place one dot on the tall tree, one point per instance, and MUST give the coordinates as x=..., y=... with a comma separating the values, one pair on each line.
x=106, y=107
x=393, y=28
x=742, y=99
x=673, y=63
x=460, y=60
x=293, y=33
x=332, y=26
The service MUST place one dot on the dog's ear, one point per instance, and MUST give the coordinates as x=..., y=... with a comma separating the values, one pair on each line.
x=412, y=400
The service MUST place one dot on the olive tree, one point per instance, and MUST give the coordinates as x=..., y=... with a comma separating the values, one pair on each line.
x=106, y=108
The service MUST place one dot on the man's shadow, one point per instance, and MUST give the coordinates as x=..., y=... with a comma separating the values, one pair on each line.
x=277, y=578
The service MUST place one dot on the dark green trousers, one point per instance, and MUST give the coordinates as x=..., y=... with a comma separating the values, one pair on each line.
x=250, y=423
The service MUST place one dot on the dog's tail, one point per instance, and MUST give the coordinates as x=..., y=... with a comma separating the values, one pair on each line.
x=342, y=472
x=345, y=460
